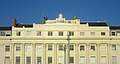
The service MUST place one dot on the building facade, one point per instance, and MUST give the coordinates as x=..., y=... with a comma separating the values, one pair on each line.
x=47, y=43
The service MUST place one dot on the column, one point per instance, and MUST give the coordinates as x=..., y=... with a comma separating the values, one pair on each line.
x=98, y=53
x=12, y=53
x=44, y=53
x=87, y=54
x=23, y=53
x=33, y=53
x=108, y=53
x=55, y=52
x=77, y=56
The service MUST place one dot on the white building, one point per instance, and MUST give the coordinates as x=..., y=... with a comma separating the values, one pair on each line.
x=91, y=42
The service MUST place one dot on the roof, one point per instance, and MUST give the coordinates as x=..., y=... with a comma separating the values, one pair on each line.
x=95, y=23
x=114, y=27
x=26, y=25
x=5, y=28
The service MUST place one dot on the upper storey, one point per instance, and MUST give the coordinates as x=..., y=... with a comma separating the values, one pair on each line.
x=61, y=19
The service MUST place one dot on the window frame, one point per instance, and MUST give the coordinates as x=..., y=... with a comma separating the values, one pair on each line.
x=60, y=47
x=18, y=33
x=71, y=59
x=50, y=46
x=82, y=33
x=50, y=33
x=71, y=33
x=18, y=47
x=60, y=33
x=7, y=48
x=39, y=33
x=71, y=47
x=103, y=33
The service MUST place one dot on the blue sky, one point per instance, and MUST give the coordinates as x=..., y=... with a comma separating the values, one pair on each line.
x=29, y=11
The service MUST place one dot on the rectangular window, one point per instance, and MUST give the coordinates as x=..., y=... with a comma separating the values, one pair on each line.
x=71, y=33
x=71, y=59
x=71, y=47
x=39, y=60
x=113, y=33
x=82, y=59
x=7, y=48
x=49, y=60
x=60, y=47
x=17, y=47
x=39, y=48
x=81, y=33
x=92, y=33
x=7, y=60
x=60, y=33
x=50, y=33
x=60, y=60
x=102, y=33
x=92, y=60
x=18, y=60
x=28, y=47
x=18, y=33
x=28, y=33
x=103, y=59
x=82, y=48
x=114, y=59
x=103, y=47
x=39, y=33
x=50, y=47
x=92, y=47
x=113, y=47
x=28, y=60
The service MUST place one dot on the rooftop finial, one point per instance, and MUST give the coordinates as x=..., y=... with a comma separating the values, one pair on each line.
x=60, y=15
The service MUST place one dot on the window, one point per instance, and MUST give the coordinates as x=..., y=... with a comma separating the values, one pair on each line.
x=81, y=33
x=102, y=33
x=28, y=60
x=92, y=33
x=92, y=47
x=103, y=47
x=49, y=60
x=71, y=47
x=5, y=33
x=60, y=33
x=113, y=47
x=103, y=59
x=49, y=33
x=39, y=33
x=92, y=60
x=60, y=60
x=71, y=33
x=113, y=33
x=50, y=47
x=71, y=59
x=82, y=48
x=18, y=33
x=39, y=60
x=114, y=59
x=7, y=60
x=7, y=48
x=28, y=47
x=39, y=48
x=60, y=47
x=18, y=60
x=17, y=47
x=82, y=59
x=28, y=33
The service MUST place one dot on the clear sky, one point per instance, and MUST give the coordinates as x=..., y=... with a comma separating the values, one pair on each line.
x=29, y=11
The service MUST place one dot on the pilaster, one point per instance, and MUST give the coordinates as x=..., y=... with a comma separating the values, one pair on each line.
x=23, y=53
x=77, y=53
x=12, y=53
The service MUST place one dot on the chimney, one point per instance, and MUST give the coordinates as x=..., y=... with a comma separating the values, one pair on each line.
x=14, y=21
